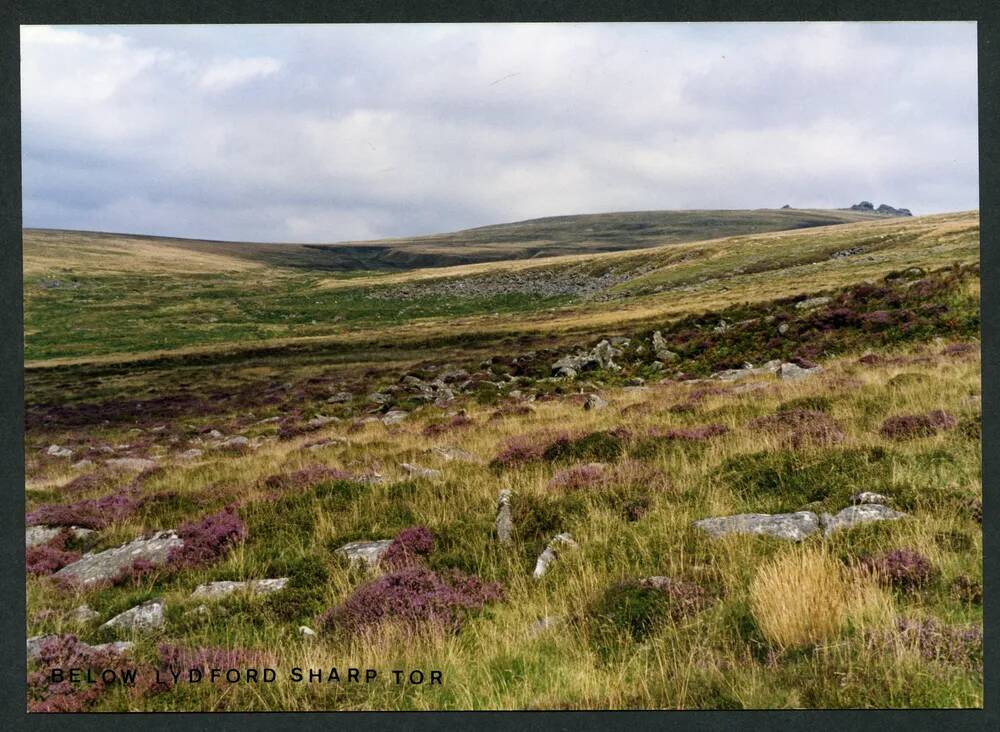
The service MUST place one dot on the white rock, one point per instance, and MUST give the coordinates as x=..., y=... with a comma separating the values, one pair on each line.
x=791, y=526
x=559, y=542
x=58, y=451
x=504, y=522
x=217, y=590
x=855, y=515
x=148, y=616
x=367, y=553
x=418, y=471
x=306, y=631
x=35, y=535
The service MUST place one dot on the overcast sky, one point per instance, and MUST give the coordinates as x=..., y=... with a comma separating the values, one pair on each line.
x=330, y=133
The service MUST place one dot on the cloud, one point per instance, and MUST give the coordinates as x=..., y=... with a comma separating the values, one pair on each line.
x=328, y=133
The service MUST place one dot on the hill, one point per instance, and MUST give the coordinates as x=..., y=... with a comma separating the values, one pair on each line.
x=545, y=237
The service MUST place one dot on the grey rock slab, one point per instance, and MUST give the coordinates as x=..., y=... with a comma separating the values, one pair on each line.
x=83, y=614
x=191, y=454
x=595, y=402
x=367, y=553
x=394, y=417
x=811, y=303
x=559, y=543
x=790, y=526
x=856, y=515
x=224, y=588
x=91, y=567
x=35, y=535
x=418, y=471
x=793, y=372
x=136, y=464
x=504, y=520
x=145, y=617
x=58, y=451
x=235, y=442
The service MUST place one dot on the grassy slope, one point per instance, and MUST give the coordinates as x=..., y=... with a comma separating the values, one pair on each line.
x=717, y=658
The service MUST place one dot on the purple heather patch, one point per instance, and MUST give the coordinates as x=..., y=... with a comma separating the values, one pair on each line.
x=909, y=426
x=902, y=568
x=305, y=478
x=413, y=595
x=65, y=652
x=578, y=477
x=207, y=539
x=44, y=559
x=701, y=433
x=409, y=547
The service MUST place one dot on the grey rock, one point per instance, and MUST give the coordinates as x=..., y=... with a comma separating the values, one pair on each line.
x=217, y=590
x=812, y=303
x=83, y=615
x=235, y=442
x=58, y=451
x=191, y=454
x=394, y=417
x=594, y=402
x=34, y=645
x=306, y=632
x=136, y=464
x=320, y=420
x=91, y=568
x=82, y=464
x=145, y=617
x=792, y=372
x=450, y=453
x=116, y=646
x=340, y=397
x=660, y=349
x=380, y=397
x=418, y=471
x=559, y=543
x=35, y=535
x=791, y=526
x=783, y=328
x=856, y=515
x=367, y=553
x=504, y=521
x=869, y=497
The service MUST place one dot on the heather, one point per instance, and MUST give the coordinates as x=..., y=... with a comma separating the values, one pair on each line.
x=43, y=559
x=66, y=652
x=910, y=426
x=413, y=596
x=645, y=610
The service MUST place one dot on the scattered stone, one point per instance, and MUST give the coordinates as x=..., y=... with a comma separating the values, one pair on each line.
x=216, y=590
x=869, y=497
x=660, y=349
x=418, y=471
x=456, y=453
x=394, y=417
x=147, y=616
x=116, y=646
x=191, y=454
x=82, y=464
x=792, y=372
x=545, y=559
x=790, y=526
x=340, y=397
x=380, y=397
x=783, y=328
x=543, y=624
x=505, y=521
x=319, y=421
x=306, y=632
x=91, y=568
x=367, y=553
x=136, y=464
x=58, y=451
x=215, y=435
x=34, y=645
x=235, y=442
x=35, y=535
x=594, y=402
x=812, y=303
x=83, y=615
x=855, y=515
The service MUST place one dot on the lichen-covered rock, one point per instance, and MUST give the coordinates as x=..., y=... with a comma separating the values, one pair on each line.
x=660, y=349
x=595, y=402
x=366, y=553
x=855, y=515
x=418, y=471
x=869, y=497
x=791, y=526
x=559, y=543
x=58, y=451
x=217, y=590
x=35, y=535
x=91, y=568
x=812, y=303
x=505, y=522
x=136, y=464
x=145, y=617
x=793, y=372
x=394, y=416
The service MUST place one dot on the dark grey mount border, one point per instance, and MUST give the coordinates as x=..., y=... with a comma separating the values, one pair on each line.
x=12, y=607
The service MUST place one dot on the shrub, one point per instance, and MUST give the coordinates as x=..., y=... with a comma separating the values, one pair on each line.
x=935, y=641
x=457, y=422
x=701, y=433
x=522, y=449
x=967, y=590
x=44, y=559
x=909, y=426
x=90, y=513
x=66, y=652
x=172, y=657
x=207, y=539
x=303, y=596
x=596, y=446
x=578, y=477
x=637, y=608
x=901, y=568
x=959, y=349
x=413, y=596
x=305, y=478
x=409, y=546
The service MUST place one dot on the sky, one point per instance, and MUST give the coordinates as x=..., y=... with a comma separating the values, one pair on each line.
x=322, y=133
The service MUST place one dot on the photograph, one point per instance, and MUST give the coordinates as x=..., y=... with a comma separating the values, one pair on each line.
x=501, y=367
